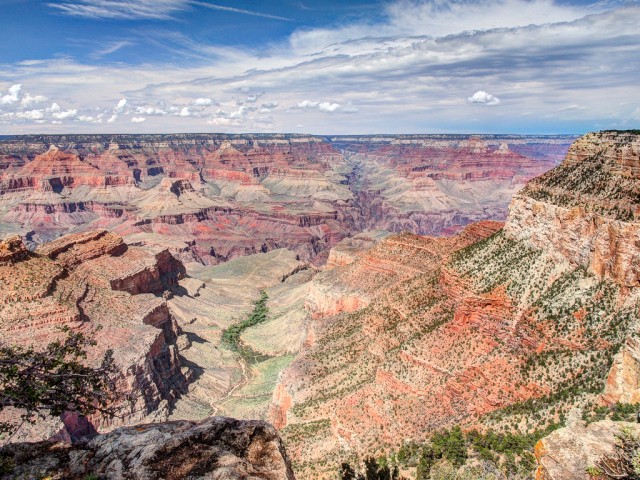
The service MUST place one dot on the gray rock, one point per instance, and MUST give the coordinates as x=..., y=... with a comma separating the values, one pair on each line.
x=217, y=448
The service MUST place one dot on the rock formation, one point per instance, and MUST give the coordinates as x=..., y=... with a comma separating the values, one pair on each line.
x=566, y=454
x=217, y=448
x=491, y=329
x=90, y=280
x=211, y=198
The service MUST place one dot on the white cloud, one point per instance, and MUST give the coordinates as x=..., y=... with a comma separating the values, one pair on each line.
x=185, y=112
x=64, y=114
x=112, y=119
x=153, y=111
x=138, y=119
x=328, y=107
x=13, y=96
x=90, y=119
x=202, y=102
x=30, y=115
x=307, y=104
x=121, y=9
x=483, y=97
x=29, y=100
x=122, y=103
x=412, y=69
x=268, y=107
x=143, y=9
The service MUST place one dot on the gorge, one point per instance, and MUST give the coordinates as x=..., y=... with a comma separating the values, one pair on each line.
x=411, y=283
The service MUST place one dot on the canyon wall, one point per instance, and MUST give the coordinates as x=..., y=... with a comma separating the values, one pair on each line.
x=213, y=197
x=494, y=328
x=94, y=283
x=587, y=210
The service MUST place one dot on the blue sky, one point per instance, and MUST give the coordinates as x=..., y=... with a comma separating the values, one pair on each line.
x=326, y=67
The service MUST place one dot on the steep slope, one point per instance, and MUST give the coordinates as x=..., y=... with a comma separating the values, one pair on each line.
x=213, y=197
x=94, y=279
x=509, y=332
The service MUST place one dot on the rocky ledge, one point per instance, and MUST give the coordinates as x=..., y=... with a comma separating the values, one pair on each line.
x=217, y=448
x=574, y=452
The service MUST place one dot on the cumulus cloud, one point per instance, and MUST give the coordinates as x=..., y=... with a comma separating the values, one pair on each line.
x=151, y=111
x=268, y=107
x=483, y=97
x=30, y=115
x=12, y=96
x=202, y=102
x=138, y=119
x=64, y=114
x=90, y=119
x=120, y=106
x=328, y=107
x=185, y=112
x=29, y=100
x=112, y=119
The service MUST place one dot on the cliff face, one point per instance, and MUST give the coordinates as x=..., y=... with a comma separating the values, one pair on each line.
x=94, y=279
x=587, y=209
x=494, y=328
x=218, y=448
x=211, y=198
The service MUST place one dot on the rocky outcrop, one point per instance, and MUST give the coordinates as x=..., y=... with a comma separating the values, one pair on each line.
x=12, y=250
x=588, y=208
x=567, y=453
x=623, y=381
x=90, y=280
x=217, y=448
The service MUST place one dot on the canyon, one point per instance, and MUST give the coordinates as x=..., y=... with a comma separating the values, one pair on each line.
x=410, y=282
x=212, y=197
x=503, y=327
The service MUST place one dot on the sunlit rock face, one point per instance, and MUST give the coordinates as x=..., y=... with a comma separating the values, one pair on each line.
x=496, y=327
x=210, y=198
x=90, y=280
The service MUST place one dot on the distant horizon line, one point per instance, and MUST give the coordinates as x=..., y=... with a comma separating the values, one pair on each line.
x=298, y=134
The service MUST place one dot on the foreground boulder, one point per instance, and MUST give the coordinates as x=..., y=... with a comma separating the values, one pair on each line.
x=573, y=452
x=217, y=448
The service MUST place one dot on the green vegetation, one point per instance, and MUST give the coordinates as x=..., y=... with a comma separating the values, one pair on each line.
x=453, y=454
x=593, y=184
x=231, y=336
x=625, y=412
x=373, y=470
x=55, y=380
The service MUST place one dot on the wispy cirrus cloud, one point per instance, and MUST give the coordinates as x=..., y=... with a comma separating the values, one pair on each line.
x=121, y=9
x=215, y=6
x=144, y=9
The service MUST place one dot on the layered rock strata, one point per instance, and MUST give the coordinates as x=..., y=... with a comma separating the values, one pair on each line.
x=504, y=329
x=94, y=280
x=211, y=198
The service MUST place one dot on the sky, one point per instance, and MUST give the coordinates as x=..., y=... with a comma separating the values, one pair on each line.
x=319, y=66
